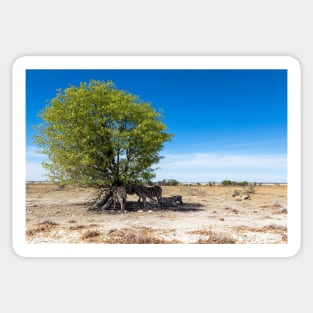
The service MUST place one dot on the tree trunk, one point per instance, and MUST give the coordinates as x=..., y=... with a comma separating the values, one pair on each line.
x=105, y=201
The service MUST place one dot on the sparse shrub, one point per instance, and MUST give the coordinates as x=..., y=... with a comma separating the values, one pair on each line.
x=135, y=236
x=217, y=238
x=284, y=237
x=48, y=222
x=77, y=227
x=45, y=226
x=212, y=237
x=274, y=227
x=90, y=234
x=132, y=236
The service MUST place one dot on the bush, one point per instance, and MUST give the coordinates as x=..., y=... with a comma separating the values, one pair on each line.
x=169, y=182
x=227, y=183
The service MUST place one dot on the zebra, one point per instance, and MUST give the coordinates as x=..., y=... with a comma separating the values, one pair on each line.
x=236, y=193
x=120, y=195
x=241, y=195
x=154, y=192
x=172, y=200
x=143, y=192
x=176, y=199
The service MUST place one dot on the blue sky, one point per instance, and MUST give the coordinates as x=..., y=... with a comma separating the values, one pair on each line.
x=228, y=124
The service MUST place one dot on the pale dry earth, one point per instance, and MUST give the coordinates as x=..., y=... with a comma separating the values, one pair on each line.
x=209, y=214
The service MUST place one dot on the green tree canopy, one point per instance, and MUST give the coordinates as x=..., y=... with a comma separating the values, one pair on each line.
x=97, y=135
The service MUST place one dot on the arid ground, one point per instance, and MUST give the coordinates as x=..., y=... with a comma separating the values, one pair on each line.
x=208, y=215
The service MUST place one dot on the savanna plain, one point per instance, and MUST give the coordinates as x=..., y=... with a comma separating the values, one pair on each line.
x=208, y=215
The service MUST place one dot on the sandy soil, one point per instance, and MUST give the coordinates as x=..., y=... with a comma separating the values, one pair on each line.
x=209, y=214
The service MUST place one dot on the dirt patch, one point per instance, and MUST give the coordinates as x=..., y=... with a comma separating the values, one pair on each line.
x=209, y=214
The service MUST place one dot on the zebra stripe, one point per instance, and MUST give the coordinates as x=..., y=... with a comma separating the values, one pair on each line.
x=154, y=193
x=120, y=196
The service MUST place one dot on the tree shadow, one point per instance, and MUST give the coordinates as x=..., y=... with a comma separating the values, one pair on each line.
x=186, y=207
x=134, y=206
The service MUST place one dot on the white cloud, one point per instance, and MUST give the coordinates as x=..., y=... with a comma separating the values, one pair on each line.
x=32, y=152
x=197, y=167
x=34, y=169
x=35, y=172
x=208, y=160
x=219, y=166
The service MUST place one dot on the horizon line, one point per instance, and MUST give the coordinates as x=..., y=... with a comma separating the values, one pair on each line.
x=186, y=182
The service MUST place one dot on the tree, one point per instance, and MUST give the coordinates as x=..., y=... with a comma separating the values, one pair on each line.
x=227, y=182
x=96, y=135
x=169, y=182
x=173, y=182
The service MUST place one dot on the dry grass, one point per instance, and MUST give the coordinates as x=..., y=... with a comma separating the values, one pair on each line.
x=90, y=235
x=44, y=228
x=275, y=206
x=78, y=227
x=213, y=237
x=272, y=229
x=280, y=211
x=48, y=223
x=142, y=235
x=217, y=238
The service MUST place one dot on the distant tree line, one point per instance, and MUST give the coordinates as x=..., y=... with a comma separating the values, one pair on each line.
x=235, y=183
x=168, y=182
x=226, y=182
